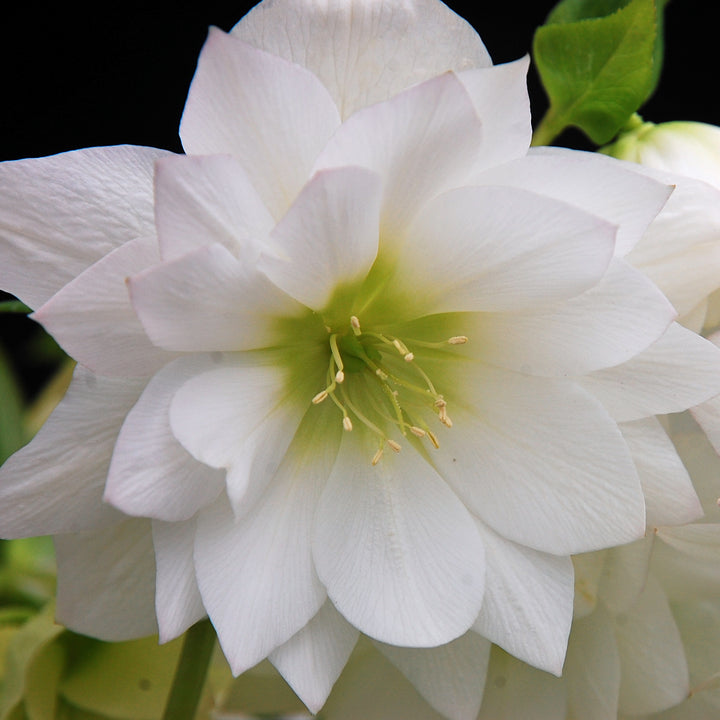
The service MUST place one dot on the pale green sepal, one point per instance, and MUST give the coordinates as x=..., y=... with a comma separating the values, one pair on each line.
x=597, y=71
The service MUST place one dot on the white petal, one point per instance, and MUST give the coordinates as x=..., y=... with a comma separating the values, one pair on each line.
x=365, y=51
x=55, y=484
x=177, y=599
x=272, y=115
x=208, y=300
x=500, y=97
x=256, y=575
x=242, y=418
x=495, y=249
x=312, y=660
x=420, y=142
x=450, y=677
x=588, y=571
x=151, y=474
x=329, y=237
x=680, y=251
x=685, y=560
x=670, y=498
x=605, y=326
x=592, y=672
x=516, y=691
x=598, y=184
x=399, y=554
x=204, y=200
x=528, y=604
x=106, y=581
x=678, y=371
x=61, y=214
x=654, y=670
x=624, y=574
x=93, y=321
x=708, y=417
x=540, y=461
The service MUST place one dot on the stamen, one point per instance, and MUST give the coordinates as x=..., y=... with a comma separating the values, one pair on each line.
x=377, y=456
x=457, y=340
x=409, y=357
x=339, y=376
x=418, y=432
x=395, y=446
x=355, y=325
x=347, y=423
x=322, y=395
x=337, y=357
x=433, y=439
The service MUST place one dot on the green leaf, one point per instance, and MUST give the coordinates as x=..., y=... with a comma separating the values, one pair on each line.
x=122, y=680
x=597, y=71
x=12, y=436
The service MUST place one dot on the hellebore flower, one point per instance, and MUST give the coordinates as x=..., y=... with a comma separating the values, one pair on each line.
x=357, y=362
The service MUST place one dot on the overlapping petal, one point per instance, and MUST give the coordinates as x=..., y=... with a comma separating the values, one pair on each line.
x=339, y=42
x=272, y=115
x=399, y=554
x=89, y=203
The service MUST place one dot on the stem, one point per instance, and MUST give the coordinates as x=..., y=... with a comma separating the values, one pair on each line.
x=191, y=672
x=549, y=128
x=14, y=306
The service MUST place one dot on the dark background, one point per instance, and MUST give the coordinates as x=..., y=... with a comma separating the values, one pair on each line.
x=73, y=77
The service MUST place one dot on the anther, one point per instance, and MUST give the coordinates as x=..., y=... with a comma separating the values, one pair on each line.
x=457, y=340
x=445, y=419
x=418, y=432
x=409, y=357
x=339, y=376
x=377, y=456
x=433, y=439
x=381, y=374
x=395, y=446
x=401, y=347
x=347, y=423
x=355, y=325
x=440, y=403
x=322, y=395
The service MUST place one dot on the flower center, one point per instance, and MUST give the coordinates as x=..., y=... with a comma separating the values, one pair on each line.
x=387, y=380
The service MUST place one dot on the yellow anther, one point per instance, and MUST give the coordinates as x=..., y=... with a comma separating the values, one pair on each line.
x=347, y=423
x=440, y=403
x=445, y=419
x=418, y=432
x=322, y=395
x=433, y=440
x=377, y=456
x=457, y=340
x=395, y=446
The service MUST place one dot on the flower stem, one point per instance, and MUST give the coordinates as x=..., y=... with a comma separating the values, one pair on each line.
x=191, y=672
x=548, y=129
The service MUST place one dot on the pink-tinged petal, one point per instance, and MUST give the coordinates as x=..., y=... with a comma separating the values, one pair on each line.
x=499, y=249
x=61, y=214
x=328, y=238
x=365, y=51
x=625, y=573
x=256, y=574
x=272, y=115
x=420, y=142
x=500, y=97
x=241, y=418
x=670, y=498
x=652, y=658
x=106, y=581
x=592, y=182
x=205, y=200
x=312, y=660
x=55, y=484
x=398, y=552
x=178, y=604
x=92, y=319
x=680, y=251
x=541, y=462
x=528, y=604
x=208, y=300
x=151, y=474
x=588, y=332
x=516, y=691
x=685, y=560
x=450, y=677
x=592, y=672
x=678, y=371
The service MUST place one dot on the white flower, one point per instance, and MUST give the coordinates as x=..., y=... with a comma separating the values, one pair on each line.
x=357, y=362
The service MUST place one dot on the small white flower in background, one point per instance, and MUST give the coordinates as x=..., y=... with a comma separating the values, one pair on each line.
x=358, y=362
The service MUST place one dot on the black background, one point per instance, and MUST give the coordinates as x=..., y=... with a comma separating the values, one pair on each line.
x=73, y=77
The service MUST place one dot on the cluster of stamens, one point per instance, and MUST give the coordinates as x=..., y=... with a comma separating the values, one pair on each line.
x=366, y=349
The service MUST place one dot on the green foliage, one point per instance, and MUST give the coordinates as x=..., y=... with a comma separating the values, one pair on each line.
x=11, y=409
x=599, y=61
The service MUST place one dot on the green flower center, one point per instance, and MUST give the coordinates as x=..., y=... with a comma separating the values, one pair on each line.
x=373, y=378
